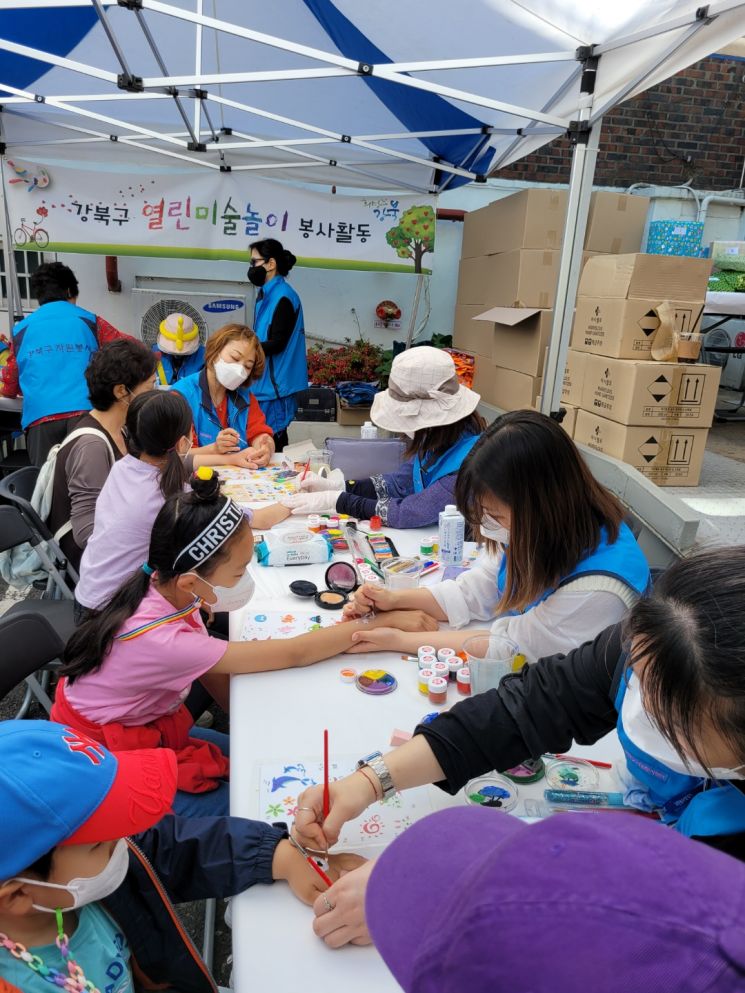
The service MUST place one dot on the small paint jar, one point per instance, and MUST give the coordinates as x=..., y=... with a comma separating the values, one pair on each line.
x=438, y=690
x=463, y=680
x=314, y=522
x=445, y=654
x=426, y=549
x=454, y=665
x=427, y=661
x=426, y=650
x=424, y=677
x=333, y=521
x=376, y=522
x=441, y=669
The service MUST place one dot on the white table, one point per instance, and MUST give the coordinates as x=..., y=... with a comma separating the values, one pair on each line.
x=277, y=714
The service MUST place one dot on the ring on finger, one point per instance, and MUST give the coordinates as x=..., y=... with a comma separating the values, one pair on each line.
x=327, y=903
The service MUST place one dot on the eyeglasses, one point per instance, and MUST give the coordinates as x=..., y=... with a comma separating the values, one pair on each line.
x=254, y=262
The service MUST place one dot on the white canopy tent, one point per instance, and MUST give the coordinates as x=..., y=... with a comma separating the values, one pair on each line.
x=422, y=95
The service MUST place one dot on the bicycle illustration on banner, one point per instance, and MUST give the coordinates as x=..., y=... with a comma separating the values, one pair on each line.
x=33, y=233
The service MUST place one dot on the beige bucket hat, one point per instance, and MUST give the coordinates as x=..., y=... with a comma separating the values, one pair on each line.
x=423, y=392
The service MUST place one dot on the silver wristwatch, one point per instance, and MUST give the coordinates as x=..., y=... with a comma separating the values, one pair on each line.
x=378, y=766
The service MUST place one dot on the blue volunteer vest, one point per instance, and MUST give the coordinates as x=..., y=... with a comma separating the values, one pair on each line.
x=53, y=347
x=684, y=801
x=446, y=465
x=206, y=422
x=622, y=560
x=170, y=369
x=287, y=372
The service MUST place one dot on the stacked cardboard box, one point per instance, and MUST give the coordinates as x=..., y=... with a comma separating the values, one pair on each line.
x=652, y=415
x=507, y=282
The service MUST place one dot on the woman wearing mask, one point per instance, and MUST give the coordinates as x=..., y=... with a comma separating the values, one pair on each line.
x=560, y=564
x=278, y=322
x=437, y=414
x=227, y=417
x=670, y=681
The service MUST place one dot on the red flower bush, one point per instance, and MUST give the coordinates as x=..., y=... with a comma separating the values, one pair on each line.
x=357, y=361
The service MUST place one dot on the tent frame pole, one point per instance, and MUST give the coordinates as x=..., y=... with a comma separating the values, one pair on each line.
x=15, y=301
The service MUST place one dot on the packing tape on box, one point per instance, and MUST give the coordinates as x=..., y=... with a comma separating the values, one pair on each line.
x=664, y=345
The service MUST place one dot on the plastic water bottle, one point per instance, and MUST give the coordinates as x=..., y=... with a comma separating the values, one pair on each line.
x=368, y=430
x=452, y=535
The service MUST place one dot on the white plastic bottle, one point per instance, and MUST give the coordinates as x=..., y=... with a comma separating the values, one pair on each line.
x=452, y=535
x=368, y=430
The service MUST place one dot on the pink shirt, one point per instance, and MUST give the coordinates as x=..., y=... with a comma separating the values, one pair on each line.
x=149, y=676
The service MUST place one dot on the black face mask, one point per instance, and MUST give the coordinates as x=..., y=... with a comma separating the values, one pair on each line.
x=257, y=275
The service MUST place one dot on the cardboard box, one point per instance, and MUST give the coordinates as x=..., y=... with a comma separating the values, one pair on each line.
x=574, y=378
x=570, y=417
x=505, y=388
x=518, y=336
x=675, y=237
x=668, y=456
x=524, y=278
x=728, y=255
x=355, y=416
x=616, y=222
x=645, y=277
x=625, y=329
x=528, y=219
x=469, y=334
x=632, y=392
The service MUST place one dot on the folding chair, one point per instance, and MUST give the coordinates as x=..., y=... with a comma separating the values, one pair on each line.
x=33, y=636
x=16, y=490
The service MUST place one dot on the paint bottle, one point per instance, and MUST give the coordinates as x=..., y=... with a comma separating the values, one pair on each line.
x=368, y=430
x=445, y=654
x=454, y=665
x=441, y=669
x=438, y=690
x=452, y=535
x=424, y=677
x=314, y=522
x=463, y=679
x=427, y=548
x=426, y=650
x=333, y=521
x=427, y=661
x=376, y=522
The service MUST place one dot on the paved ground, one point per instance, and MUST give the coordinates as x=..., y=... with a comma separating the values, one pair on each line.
x=728, y=438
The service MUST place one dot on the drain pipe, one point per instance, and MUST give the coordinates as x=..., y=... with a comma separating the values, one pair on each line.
x=738, y=201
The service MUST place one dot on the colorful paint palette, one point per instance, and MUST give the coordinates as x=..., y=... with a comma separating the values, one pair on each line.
x=491, y=791
x=574, y=774
x=528, y=772
x=376, y=682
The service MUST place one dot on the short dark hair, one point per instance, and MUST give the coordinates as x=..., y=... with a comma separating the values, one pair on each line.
x=53, y=281
x=41, y=867
x=526, y=460
x=270, y=248
x=156, y=420
x=690, y=633
x=124, y=362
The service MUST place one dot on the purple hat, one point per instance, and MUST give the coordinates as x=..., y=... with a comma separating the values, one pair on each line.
x=474, y=899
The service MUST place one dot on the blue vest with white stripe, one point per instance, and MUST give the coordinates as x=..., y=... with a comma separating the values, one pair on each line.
x=287, y=372
x=622, y=560
x=697, y=808
x=446, y=465
x=206, y=422
x=53, y=346
x=170, y=370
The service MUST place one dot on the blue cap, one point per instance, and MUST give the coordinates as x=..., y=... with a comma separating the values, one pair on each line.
x=58, y=786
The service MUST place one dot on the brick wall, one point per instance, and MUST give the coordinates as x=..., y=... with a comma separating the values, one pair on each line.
x=691, y=127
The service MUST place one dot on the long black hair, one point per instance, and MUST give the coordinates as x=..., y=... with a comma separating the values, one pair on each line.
x=430, y=443
x=181, y=519
x=689, y=638
x=270, y=248
x=156, y=421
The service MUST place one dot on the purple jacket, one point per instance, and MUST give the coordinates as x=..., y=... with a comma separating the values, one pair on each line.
x=392, y=496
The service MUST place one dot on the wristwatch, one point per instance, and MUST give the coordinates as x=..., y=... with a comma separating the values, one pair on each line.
x=378, y=766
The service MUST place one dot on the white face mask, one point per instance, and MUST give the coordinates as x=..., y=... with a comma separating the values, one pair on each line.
x=230, y=374
x=493, y=531
x=90, y=889
x=230, y=597
x=643, y=733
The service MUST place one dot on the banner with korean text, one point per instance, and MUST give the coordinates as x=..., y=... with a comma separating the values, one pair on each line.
x=214, y=216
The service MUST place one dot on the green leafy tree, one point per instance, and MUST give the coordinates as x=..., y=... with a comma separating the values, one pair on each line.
x=414, y=235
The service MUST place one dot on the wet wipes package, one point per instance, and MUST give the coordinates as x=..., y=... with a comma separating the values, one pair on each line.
x=293, y=547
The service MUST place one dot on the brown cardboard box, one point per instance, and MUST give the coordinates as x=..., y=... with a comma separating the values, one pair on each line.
x=634, y=392
x=505, y=388
x=528, y=219
x=570, y=417
x=625, y=329
x=574, y=377
x=518, y=336
x=669, y=456
x=469, y=334
x=351, y=415
x=616, y=222
x=524, y=278
x=645, y=277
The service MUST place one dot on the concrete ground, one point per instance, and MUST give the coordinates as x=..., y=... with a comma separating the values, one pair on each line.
x=728, y=438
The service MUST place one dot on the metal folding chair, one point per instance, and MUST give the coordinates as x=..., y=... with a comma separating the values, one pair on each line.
x=33, y=636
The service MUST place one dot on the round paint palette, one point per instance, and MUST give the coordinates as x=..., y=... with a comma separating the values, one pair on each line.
x=376, y=682
x=528, y=772
x=491, y=791
x=571, y=774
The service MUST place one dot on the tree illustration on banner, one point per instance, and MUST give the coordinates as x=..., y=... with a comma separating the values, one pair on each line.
x=414, y=235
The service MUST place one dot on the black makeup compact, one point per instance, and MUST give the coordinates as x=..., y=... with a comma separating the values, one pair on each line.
x=341, y=580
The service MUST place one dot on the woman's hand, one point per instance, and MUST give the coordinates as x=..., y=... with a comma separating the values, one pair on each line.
x=405, y=620
x=306, y=884
x=348, y=798
x=345, y=922
x=313, y=483
x=369, y=597
x=226, y=442
x=311, y=503
x=259, y=456
x=264, y=447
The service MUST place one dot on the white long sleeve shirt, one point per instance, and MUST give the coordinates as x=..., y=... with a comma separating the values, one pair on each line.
x=572, y=615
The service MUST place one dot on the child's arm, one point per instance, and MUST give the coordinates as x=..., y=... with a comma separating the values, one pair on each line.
x=266, y=517
x=388, y=639
x=289, y=653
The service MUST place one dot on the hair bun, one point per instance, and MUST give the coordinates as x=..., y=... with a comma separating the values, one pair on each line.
x=205, y=484
x=289, y=258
